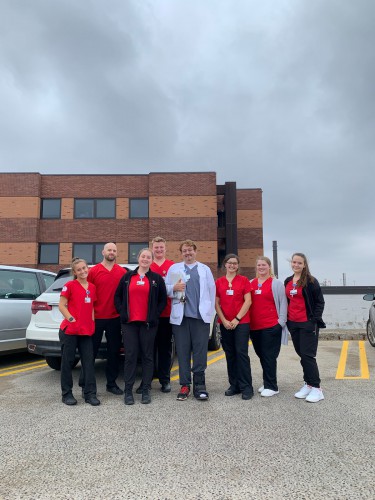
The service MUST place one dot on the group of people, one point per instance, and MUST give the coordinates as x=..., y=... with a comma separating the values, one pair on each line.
x=144, y=307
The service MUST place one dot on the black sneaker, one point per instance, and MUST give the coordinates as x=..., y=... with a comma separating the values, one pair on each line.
x=184, y=393
x=166, y=387
x=129, y=399
x=115, y=389
x=247, y=395
x=139, y=389
x=93, y=401
x=69, y=400
x=231, y=391
x=146, y=398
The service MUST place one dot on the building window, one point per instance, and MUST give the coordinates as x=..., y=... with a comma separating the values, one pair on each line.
x=138, y=208
x=51, y=209
x=134, y=249
x=91, y=252
x=94, y=208
x=49, y=253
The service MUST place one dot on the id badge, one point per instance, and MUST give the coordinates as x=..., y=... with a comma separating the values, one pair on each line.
x=140, y=282
x=293, y=292
x=230, y=292
x=87, y=300
x=258, y=292
x=187, y=277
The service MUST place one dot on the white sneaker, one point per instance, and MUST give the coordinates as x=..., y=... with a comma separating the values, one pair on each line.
x=315, y=395
x=303, y=392
x=267, y=393
x=261, y=389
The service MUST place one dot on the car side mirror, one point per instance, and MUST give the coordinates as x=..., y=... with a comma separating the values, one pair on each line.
x=369, y=296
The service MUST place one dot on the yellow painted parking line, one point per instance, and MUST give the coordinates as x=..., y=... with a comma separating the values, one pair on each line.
x=21, y=365
x=363, y=365
x=209, y=362
x=25, y=369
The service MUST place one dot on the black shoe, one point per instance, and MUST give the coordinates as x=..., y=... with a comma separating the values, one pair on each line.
x=166, y=387
x=247, y=395
x=115, y=389
x=146, y=398
x=231, y=392
x=92, y=400
x=129, y=399
x=69, y=400
x=139, y=389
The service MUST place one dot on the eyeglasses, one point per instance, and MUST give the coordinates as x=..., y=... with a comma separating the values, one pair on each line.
x=232, y=263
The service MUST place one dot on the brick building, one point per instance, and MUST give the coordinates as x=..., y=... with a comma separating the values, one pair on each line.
x=46, y=219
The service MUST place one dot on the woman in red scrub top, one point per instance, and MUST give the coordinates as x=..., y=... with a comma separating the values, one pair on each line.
x=305, y=309
x=268, y=314
x=139, y=299
x=232, y=306
x=77, y=306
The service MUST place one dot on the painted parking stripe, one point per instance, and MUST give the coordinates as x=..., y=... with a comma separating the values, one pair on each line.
x=363, y=365
x=21, y=365
x=215, y=355
x=25, y=369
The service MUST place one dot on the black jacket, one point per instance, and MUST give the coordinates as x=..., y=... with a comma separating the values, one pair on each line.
x=157, y=299
x=314, y=301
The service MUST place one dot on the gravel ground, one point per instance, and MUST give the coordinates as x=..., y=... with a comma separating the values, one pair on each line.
x=226, y=448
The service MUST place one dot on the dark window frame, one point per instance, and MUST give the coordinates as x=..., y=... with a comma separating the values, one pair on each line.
x=131, y=216
x=95, y=207
x=41, y=209
x=142, y=245
x=45, y=245
x=93, y=250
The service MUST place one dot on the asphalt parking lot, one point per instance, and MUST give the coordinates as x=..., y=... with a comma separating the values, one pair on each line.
x=226, y=448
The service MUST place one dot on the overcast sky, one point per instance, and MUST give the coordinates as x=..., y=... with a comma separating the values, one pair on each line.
x=277, y=95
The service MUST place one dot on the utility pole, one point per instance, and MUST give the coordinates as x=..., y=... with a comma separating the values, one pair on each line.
x=275, y=264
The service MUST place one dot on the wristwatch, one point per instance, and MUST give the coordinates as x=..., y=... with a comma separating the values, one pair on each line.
x=71, y=319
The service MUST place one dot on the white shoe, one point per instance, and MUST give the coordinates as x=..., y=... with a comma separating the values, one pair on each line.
x=315, y=395
x=267, y=393
x=303, y=392
x=261, y=389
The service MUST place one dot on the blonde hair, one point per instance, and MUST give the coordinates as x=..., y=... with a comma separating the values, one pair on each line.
x=158, y=239
x=145, y=249
x=266, y=259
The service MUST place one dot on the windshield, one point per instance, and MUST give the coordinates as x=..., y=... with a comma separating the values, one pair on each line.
x=58, y=284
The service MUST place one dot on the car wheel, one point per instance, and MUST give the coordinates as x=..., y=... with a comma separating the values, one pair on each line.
x=54, y=362
x=214, y=342
x=370, y=333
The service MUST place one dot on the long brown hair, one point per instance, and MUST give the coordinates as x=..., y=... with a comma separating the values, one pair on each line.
x=306, y=276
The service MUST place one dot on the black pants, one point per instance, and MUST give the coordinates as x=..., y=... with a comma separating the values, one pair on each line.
x=163, y=344
x=112, y=329
x=267, y=344
x=69, y=344
x=138, y=339
x=236, y=347
x=305, y=338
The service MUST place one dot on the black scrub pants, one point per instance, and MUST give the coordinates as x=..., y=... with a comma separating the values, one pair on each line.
x=69, y=344
x=139, y=338
x=267, y=345
x=305, y=338
x=236, y=347
x=163, y=344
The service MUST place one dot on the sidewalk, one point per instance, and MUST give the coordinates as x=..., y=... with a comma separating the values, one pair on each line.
x=338, y=334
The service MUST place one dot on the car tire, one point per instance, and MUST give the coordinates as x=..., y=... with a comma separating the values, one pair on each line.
x=370, y=333
x=214, y=342
x=54, y=362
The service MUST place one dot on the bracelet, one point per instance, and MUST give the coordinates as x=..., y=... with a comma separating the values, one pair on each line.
x=238, y=319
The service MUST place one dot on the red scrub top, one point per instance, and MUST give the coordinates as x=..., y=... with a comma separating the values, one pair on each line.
x=231, y=304
x=263, y=309
x=162, y=270
x=80, y=305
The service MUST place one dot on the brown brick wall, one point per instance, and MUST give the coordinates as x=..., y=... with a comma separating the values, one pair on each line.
x=65, y=254
x=182, y=206
x=204, y=229
x=18, y=230
x=250, y=238
x=94, y=186
x=249, y=219
x=93, y=230
x=187, y=184
x=67, y=208
x=23, y=254
x=20, y=184
x=249, y=199
x=122, y=208
x=19, y=207
x=247, y=256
